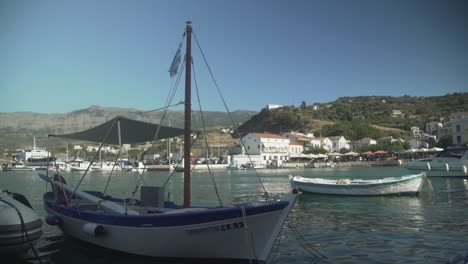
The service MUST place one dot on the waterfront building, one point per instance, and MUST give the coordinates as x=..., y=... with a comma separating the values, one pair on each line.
x=320, y=142
x=416, y=143
x=459, y=125
x=295, y=148
x=339, y=143
x=272, y=147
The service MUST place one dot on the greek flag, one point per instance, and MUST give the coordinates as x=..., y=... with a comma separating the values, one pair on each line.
x=175, y=62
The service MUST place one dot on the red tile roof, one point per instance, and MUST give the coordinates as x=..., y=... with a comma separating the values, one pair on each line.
x=266, y=135
x=295, y=143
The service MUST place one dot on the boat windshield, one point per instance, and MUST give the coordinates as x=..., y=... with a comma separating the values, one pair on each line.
x=452, y=153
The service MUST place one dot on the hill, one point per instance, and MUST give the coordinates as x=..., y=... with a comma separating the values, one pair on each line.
x=18, y=129
x=356, y=117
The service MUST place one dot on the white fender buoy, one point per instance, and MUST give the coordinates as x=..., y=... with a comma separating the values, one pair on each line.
x=447, y=167
x=93, y=229
x=428, y=166
x=465, y=170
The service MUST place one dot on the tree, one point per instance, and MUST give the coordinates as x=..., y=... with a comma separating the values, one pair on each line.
x=445, y=141
x=303, y=105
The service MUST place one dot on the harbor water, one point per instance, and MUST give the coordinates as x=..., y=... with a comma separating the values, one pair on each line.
x=429, y=228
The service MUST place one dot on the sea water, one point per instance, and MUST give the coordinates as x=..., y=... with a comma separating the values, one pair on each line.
x=429, y=228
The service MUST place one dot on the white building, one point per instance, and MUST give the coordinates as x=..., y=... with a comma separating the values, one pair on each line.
x=295, y=148
x=298, y=137
x=416, y=143
x=273, y=106
x=366, y=142
x=339, y=143
x=433, y=127
x=416, y=132
x=270, y=146
x=320, y=142
x=459, y=124
x=77, y=147
x=389, y=140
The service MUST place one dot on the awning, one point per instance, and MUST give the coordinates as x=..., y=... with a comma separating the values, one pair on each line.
x=380, y=152
x=131, y=132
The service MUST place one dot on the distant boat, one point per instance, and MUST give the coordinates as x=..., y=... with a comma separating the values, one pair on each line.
x=408, y=184
x=452, y=161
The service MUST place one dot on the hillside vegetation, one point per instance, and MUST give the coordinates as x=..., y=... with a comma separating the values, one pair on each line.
x=357, y=117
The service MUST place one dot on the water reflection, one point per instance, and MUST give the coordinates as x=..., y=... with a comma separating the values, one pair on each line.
x=393, y=229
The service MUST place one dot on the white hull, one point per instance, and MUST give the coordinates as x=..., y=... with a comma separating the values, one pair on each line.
x=161, y=167
x=236, y=238
x=439, y=167
x=452, y=162
x=410, y=184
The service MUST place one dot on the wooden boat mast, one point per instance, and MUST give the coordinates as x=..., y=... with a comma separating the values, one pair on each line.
x=188, y=115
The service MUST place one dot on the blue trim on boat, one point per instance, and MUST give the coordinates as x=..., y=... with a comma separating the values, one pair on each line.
x=160, y=219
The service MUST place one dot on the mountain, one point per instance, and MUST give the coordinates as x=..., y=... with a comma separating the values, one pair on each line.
x=18, y=129
x=355, y=117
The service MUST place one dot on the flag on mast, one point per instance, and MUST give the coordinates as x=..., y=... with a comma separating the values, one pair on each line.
x=175, y=62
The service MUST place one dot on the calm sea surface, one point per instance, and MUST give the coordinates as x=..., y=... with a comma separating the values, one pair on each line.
x=430, y=228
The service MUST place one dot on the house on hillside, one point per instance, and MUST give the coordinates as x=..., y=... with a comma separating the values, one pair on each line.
x=272, y=147
x=273, y=106
x=339, y=143
x=298, y=137
x=417, y=133
x=432, y=128
x=397, y=113
x=366, y=142
x=389, y=140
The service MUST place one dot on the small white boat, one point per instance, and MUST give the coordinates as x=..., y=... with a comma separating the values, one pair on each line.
x=16, y=167
x=452, y=161
x=20, y=226
x=105, y=166
x=408, y=184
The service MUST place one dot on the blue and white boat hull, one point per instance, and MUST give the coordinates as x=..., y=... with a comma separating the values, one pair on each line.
x=230, y=233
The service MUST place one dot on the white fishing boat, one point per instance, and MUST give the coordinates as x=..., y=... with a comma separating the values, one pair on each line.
x=408, y=184
x=153, y=227
x=20, y=226
x=452, y=161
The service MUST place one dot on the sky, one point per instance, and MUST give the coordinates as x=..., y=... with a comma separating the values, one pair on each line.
x=61, y=56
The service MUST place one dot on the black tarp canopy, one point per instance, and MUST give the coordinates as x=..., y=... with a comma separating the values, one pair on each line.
x=131, y=132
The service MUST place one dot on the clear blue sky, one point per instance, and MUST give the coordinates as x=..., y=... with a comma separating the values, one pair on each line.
x=60, y=56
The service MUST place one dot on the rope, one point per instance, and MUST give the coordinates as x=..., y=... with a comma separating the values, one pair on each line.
x=266, y=194
x=205, y=137
x=310, y=249
x=248, y=235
